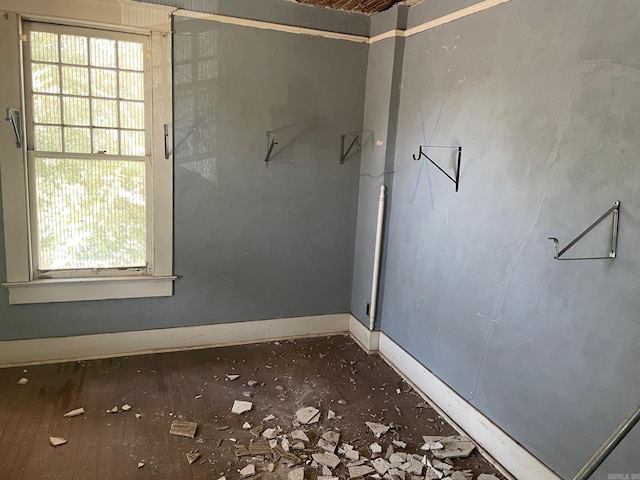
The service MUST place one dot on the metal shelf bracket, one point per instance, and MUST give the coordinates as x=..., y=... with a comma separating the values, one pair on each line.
x=13, y=117
x=271, y=141
x=456, y=178
x=343, y=154
x=615, y=210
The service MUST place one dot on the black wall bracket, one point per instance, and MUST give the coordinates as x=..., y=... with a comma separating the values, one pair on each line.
x=13, y=117
x=271, y=141
x=343, y=154
x=615, y=210
x=456, y=178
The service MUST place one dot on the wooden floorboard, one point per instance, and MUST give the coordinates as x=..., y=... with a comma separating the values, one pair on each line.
x=327, y=373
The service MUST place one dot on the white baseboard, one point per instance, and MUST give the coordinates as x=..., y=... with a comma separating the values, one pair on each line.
x=510, y=457
x=367, y=339
x=84, y=347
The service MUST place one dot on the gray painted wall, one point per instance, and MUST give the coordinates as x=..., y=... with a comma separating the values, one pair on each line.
x=254, y=242
x=543, y=97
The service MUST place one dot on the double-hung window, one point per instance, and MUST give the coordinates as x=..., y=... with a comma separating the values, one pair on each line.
x=93, y=217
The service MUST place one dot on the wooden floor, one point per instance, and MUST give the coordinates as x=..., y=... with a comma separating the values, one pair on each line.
x=326, y=373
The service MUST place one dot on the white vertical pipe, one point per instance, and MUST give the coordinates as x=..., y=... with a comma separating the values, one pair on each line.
x=376, y=260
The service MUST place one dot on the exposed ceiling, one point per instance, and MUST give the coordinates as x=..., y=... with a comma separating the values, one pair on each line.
x=364, y=6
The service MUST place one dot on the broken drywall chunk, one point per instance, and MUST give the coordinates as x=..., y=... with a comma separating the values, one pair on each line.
x=126, y=407
x=296, y=474
x=232, y=376
x=247, y=394
x=326, y=471
x=461, y=475
x=140, y=464
x=375, y=448
x=248, y=471
x=113, y=410
x=415, y=466
x=308, y=415
x=329, y=441
x=75, y=413
x=253, y=450
x=192, y=456
x=270, y=433
x=331, y=415
x=454, y=447
x=360, y=471
x=246, y=426
x=299, y=435
x=443, y=466
x=252, y=383
x=57, y=441
x=23, y=381
x=352, y=455
x=433, y=474
x=397, y=458
x=399, y=444
x=331, y=460
x=240, y=407
x=183, y=429
x=268, y=417
x=298, y=446
x=377, y=428
x=487, y=476
x=138, y=415
x=394, y=472
x=381, y=465
x=432, y=443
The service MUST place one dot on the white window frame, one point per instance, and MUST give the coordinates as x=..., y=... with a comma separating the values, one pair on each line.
x=116, y=15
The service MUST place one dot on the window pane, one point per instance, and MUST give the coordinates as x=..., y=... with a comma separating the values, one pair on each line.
x=131, y=86
x=46, y=78
x=76, y=111
x=73, y=49
x=75, y=81
x=103, y=52
x=132, y=143
x=77, y=140
x=90, y=214
x=48, y=139
x=105, y=113
x=46, y=109
x=104, y=83
x=132, y=115
x=44, y=47
x=130, y=56
x=105, y=141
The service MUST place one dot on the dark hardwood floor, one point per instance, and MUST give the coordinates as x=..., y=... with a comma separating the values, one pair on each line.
x=326, y=373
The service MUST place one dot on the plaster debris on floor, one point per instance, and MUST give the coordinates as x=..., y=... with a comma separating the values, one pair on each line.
x=337, y=417
x=57, y=441
x=239, y=407
x=75, y=413
x=184, y=429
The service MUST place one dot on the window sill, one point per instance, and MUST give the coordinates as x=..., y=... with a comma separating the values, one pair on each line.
x=79, y=289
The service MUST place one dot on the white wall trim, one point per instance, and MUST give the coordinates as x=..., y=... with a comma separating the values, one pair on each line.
x=463, y=12
x=505, y=452
x=243, y=22
x=106, y=345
